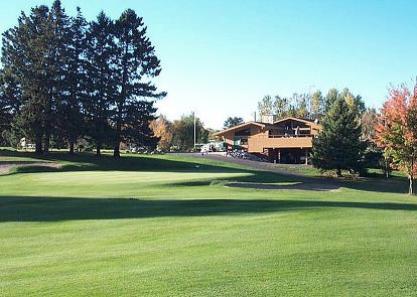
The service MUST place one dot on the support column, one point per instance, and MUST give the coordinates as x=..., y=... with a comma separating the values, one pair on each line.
x=306, y=156
x=279, y=155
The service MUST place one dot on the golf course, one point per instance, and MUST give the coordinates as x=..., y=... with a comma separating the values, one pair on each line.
x=171, y=225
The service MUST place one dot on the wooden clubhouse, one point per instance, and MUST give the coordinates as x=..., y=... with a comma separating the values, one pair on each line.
x=288, y=140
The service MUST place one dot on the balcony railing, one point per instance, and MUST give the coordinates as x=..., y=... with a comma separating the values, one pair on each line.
x=291, y=136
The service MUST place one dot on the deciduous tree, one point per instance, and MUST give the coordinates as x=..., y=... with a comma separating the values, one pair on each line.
x=265, y=106
x=183, y=132
x=162, y=129
x=317, y=105
x=281, y=106
x=396, y=131
x=369, y=119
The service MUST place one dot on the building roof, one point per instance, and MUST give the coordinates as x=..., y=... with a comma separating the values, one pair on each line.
x=262, y=125
x=310, y=123
x=266, y=125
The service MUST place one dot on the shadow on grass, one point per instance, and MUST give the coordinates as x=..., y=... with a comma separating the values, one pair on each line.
x=38, y=209
x=89, y=162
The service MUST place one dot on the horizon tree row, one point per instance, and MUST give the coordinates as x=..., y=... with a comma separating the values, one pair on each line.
x=308, y=106
x=64, y=78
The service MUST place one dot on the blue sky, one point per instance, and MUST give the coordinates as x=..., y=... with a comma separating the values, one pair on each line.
x=220, y=57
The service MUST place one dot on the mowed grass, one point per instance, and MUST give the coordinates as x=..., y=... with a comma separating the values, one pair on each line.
x=170, y=226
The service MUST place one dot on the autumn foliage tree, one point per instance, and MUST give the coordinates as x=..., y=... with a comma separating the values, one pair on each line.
x=162, y=129
x=396, y=130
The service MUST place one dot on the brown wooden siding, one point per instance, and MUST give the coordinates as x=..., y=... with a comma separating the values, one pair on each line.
x=259, y=143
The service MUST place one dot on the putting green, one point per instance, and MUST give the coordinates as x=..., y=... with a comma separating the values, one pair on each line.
x=168, y=226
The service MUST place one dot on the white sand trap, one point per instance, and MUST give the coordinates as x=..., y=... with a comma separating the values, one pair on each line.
x=307, y=186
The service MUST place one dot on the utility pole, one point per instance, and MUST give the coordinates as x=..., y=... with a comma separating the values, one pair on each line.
x=195, y=129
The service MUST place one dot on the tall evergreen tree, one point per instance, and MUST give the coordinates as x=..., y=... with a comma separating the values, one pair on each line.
x=136, y=65
x=10, y=97
x=25, y=54
x=354, y=102
x=70, y=121
x=100, y=75
x=58, y=65
x=338, y=146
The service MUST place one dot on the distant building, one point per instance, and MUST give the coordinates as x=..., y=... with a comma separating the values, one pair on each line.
x=25, y=144
x=288, y=140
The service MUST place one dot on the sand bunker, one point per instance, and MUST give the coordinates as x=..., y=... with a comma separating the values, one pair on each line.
x=309, y=186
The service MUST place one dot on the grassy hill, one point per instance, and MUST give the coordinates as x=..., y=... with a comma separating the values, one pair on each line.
x=175, y=226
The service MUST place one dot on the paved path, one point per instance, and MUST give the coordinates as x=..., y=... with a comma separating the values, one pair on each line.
x=264, y=166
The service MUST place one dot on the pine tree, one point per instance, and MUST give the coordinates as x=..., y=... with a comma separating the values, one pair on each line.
x=10, y=97
x=25, y=53
x=136, y=65
x=338, y=146
x=70, y=120
x=100, y=78
x=57, y=67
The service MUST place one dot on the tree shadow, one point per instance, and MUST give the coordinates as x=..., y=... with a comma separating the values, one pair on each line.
x=39, y=209
x=89, y=162
x=395, y=184
x=263, y=179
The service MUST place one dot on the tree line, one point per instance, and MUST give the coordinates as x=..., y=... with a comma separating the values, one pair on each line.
x=64, y=78
x=306, y=105
x=178, y=135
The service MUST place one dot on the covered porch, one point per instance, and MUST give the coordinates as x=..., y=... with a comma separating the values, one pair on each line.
x=288, y=155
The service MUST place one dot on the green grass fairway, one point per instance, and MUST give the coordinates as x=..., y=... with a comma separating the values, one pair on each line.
x=170, y=226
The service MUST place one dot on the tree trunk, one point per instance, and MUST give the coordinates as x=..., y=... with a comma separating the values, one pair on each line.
x=411, y=185
x=98, y=150
x=46, y=144
x=387, y=168
x=116, y=152
x=71, y=147
x=38, y=145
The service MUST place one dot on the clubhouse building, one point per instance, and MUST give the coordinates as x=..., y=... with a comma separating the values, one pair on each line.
x=288, y=140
